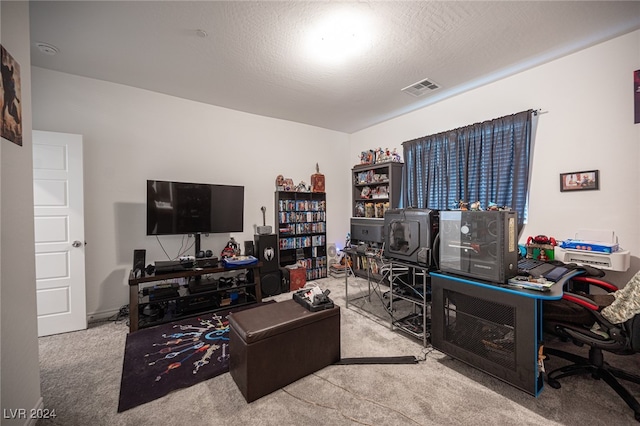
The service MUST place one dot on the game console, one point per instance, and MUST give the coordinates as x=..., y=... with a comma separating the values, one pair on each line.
x=207, y=262
x=169, y=266
x=313, y=298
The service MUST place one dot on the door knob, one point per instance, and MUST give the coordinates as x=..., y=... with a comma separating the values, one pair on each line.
x=77, y=243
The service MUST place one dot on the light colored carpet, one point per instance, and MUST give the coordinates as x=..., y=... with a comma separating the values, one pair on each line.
x=81, y=374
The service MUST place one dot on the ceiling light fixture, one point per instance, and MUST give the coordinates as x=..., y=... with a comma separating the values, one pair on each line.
x=47, y=49
x=340, y=36
x=201, y=33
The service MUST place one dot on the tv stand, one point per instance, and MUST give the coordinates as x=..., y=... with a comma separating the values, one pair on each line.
x=181, y=302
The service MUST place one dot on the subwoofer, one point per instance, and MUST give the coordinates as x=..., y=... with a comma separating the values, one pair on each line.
x=270, y=283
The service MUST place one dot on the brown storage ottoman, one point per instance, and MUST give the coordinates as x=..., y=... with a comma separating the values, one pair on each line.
x=273, y=345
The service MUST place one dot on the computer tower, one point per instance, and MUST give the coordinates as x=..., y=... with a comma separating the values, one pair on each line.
x=479, y=244
x=410, y=235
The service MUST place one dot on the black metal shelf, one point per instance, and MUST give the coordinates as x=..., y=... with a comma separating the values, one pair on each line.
x=172, y=316
x=175, y=305
x=408, y=280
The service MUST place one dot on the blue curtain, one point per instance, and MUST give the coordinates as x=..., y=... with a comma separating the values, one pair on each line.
x=486, y=162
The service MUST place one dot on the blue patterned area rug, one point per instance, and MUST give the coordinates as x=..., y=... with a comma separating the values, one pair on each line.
x=167, y=357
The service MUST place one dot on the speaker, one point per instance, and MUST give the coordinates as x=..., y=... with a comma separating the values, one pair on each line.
x=270, y=283
x=285, y=280
x=266, y=250
x=139, y=260
x=248, y=248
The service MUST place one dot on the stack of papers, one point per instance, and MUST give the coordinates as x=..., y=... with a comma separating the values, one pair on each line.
x=531, y=283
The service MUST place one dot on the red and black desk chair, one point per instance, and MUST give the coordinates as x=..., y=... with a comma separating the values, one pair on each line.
x=572, y=319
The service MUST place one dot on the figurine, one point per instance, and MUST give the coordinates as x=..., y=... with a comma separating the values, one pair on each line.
x=463, y=205
x=365, y=192
x=492, y=206
x=395, y=156
x=367, y=157
x=475, y=206
x=231, y=249
x=279, y=181
x=542, y=239
x=317, y=181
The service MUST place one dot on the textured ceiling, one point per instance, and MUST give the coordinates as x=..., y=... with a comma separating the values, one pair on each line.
x=254, y=57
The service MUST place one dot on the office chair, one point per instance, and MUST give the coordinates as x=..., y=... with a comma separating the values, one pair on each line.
x=578, y=318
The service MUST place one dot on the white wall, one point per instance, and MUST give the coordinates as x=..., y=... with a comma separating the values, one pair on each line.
x=131, y=135
x=19, y=365
x=588, y=124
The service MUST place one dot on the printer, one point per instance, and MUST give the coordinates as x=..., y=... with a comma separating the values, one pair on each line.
x=597, y=248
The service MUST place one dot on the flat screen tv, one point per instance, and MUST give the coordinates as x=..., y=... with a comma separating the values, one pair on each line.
x=175, y=208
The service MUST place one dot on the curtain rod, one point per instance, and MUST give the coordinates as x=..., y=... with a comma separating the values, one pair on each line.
x=539, y=111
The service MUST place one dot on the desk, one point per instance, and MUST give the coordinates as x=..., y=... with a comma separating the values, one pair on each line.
x=495, y=328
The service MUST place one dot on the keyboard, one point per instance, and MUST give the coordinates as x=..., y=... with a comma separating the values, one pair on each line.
x=537, y=268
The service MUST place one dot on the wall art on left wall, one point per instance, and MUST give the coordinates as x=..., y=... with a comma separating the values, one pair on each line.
x=10, y=99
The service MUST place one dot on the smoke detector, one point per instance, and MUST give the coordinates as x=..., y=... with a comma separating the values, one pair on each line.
x=47, y=49
x=421, y=87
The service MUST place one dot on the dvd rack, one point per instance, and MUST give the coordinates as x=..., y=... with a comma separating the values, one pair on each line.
x=301, y=229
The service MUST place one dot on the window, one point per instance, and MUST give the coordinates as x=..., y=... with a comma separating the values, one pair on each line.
x=486, y=162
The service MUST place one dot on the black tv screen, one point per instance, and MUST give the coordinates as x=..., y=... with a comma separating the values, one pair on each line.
x=193, y=208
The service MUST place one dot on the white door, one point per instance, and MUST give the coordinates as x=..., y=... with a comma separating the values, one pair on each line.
x=59, y=232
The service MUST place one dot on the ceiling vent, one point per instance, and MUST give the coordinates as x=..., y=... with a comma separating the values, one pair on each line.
x=421, y=87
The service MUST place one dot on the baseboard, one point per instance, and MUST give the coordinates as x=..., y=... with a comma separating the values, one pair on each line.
x=102, y=316
x=39, y=408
